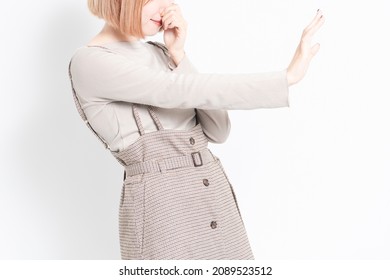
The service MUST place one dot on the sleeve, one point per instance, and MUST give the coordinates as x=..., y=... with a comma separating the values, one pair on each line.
x=102, y=75
x=215, y=123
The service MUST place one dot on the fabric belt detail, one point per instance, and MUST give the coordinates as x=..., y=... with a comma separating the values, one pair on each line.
x=194, y=159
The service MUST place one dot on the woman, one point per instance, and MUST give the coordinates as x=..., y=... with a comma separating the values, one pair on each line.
x=156, y=114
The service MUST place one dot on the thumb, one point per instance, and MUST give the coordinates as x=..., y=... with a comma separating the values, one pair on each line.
x=314, y=50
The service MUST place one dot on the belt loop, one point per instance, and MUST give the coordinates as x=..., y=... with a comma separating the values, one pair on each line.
x=162, y=166
x=194, y=160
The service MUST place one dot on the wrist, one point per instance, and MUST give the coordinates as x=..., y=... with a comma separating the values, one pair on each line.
x=177, y=57
x=290, y=78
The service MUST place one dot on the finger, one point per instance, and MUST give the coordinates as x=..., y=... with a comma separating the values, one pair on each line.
x=167, y=17
x=310, y=32
x=174, y=22
x=168, y=21
x=316, y=26
x=315, y=19
x=167, y=12
x=172, y=7
x=314, y=50
x=173, y=19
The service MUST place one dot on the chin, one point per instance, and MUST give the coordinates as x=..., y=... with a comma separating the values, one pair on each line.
x=151, y=30
x=151, y=33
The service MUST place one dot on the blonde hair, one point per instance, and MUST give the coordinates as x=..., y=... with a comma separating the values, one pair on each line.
x=123, y=15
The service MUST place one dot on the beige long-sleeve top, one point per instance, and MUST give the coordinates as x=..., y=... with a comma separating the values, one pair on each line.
x=108, y=80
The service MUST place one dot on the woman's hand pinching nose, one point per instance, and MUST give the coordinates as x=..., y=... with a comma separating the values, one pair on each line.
x=175, y=31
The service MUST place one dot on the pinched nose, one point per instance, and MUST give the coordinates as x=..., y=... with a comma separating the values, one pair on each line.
x=165, y=4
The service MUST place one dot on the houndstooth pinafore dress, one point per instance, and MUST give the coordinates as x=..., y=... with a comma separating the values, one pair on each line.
x=176, y=200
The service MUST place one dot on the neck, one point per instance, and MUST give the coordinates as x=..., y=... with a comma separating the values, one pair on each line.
x=110, y=32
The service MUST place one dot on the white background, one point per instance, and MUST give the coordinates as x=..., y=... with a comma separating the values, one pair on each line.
x=312, y=180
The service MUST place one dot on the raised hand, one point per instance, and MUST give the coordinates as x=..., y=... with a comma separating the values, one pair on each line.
x=305, y=51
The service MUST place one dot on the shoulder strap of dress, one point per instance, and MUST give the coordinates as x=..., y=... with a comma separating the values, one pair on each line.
x=150, y=108
x=81, y=112
x=161, y=46
x=165, y=51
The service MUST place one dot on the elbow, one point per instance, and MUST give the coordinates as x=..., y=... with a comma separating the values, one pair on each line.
x=220, y=134
x=215, y=124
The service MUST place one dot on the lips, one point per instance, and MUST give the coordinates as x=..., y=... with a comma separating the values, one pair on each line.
x=158, y=22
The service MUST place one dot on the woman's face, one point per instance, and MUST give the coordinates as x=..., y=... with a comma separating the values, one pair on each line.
x=151, y=16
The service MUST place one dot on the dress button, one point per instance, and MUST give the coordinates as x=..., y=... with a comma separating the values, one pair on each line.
x=206, y=182
x=192, y=141
x=213, y=224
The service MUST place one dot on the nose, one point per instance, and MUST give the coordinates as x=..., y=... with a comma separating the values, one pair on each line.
x=164, y=4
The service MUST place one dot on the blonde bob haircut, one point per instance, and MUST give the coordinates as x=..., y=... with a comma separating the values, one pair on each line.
x=123, y=15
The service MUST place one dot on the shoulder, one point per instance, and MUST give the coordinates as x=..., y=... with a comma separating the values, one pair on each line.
x=90, y=52
x=89, y=57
